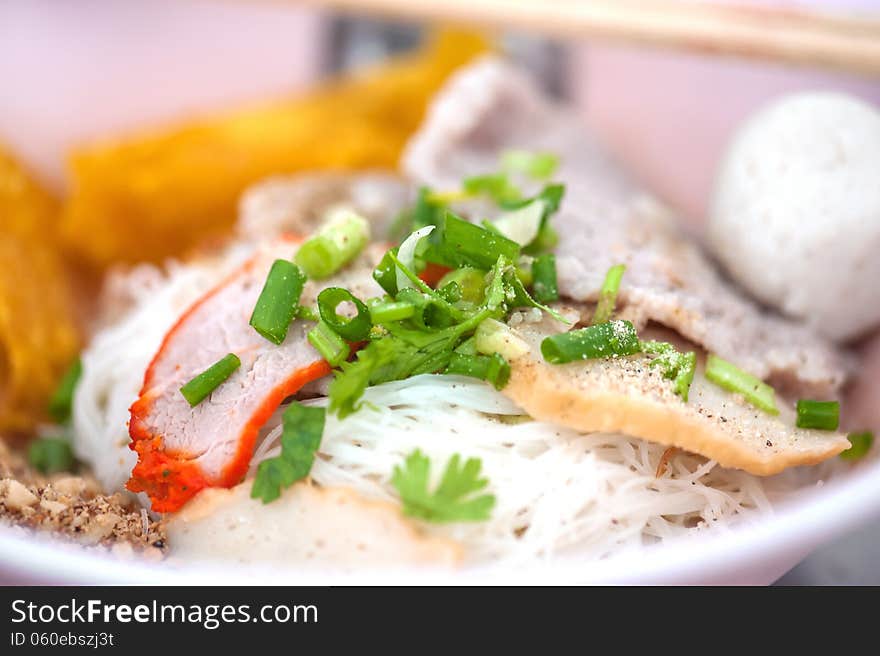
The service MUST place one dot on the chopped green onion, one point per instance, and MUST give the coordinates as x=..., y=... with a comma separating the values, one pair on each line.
x=728, y=376
x=468, y=346
x=464, y=244
x=385, y=311
x=495, y=185
x=522, y=224
x=432, y=295
x=609, y=339
x=279, y=300
x=861, y=444
x=355, y=329
x=386, y=273
x=471, y=281
x=337, y=243
x=517, y=296
x=544, y=279
x=406, y=254
x=491, y=368
x=524, y=270
x=450, y=292
x=307, y=313
x=535, y=165
x=331, y=346
x=608, y=294
x=62, y=399
x=676, y=366
x=493, y=336
x=427, y=211
x=51, y=454
x=302, y=429
x=824, y=415
x=198, y=389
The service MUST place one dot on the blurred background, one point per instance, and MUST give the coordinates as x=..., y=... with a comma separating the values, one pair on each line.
x=82, y=77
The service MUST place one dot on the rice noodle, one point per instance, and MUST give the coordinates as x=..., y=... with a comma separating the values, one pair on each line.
x=556, y=489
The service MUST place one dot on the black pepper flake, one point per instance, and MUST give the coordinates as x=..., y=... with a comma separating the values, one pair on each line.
x=769, y=443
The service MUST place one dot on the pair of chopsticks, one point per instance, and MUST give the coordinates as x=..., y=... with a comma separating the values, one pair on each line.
x=829, y=40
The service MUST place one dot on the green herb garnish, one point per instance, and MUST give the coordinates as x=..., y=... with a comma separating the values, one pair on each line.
x=823, y=415
x=608, y=294
x=676, y=366
x=604, y=340
x=279, y=301
x=728, y=376
x=454, y=499
x=355, y=329
x=302, y=427
x=861, y=443
x=329, y=344
x=50, y=455
x=198, y=389
x=336, y=244
x=61, y=402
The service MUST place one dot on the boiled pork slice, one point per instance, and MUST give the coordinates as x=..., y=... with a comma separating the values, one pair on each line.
x=606, y=219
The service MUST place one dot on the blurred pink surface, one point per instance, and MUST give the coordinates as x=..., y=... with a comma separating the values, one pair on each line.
x=74, y=71
x=668, y=116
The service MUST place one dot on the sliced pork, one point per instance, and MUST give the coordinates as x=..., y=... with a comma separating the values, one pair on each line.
x=182, y=450
x=299, y=203
x=606, y=219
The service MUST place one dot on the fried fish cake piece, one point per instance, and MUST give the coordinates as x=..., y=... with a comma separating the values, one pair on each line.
x=162, y=193
x=38, y=333
x=626, y=395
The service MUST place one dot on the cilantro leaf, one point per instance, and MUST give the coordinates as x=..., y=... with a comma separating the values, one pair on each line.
x=453, y=500
x=300, y=439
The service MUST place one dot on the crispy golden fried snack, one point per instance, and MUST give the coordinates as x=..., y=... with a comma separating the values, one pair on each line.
x=147, y=198
x=38, y=337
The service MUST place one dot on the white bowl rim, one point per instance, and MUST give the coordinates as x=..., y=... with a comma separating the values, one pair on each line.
x=753, y=553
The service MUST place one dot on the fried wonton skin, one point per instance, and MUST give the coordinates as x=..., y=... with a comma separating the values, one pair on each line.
x=38, y=334
x=162, y=193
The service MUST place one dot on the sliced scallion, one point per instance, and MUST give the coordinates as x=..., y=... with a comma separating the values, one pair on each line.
x=464, y=244
x=608, y=294
x=491, y=368
x=861, y=443
x=676, y=366
x=355, y=329
x=279, y=300
x=544, y=286
x=198, y=389
x=386, y=273
x=823, y=415
x=62, y=399
x=730, y=377
x=609, y=339
x=495, y=185
x=337, y=243
x=330, y=345
x=536, y=165
x=385, y=311
x=471, y=281
x=522, y=224
x=51, y=454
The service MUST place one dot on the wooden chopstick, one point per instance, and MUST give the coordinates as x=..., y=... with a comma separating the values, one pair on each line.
x=837, y=41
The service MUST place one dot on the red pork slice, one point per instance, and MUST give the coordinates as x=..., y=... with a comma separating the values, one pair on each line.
x=182, y=450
